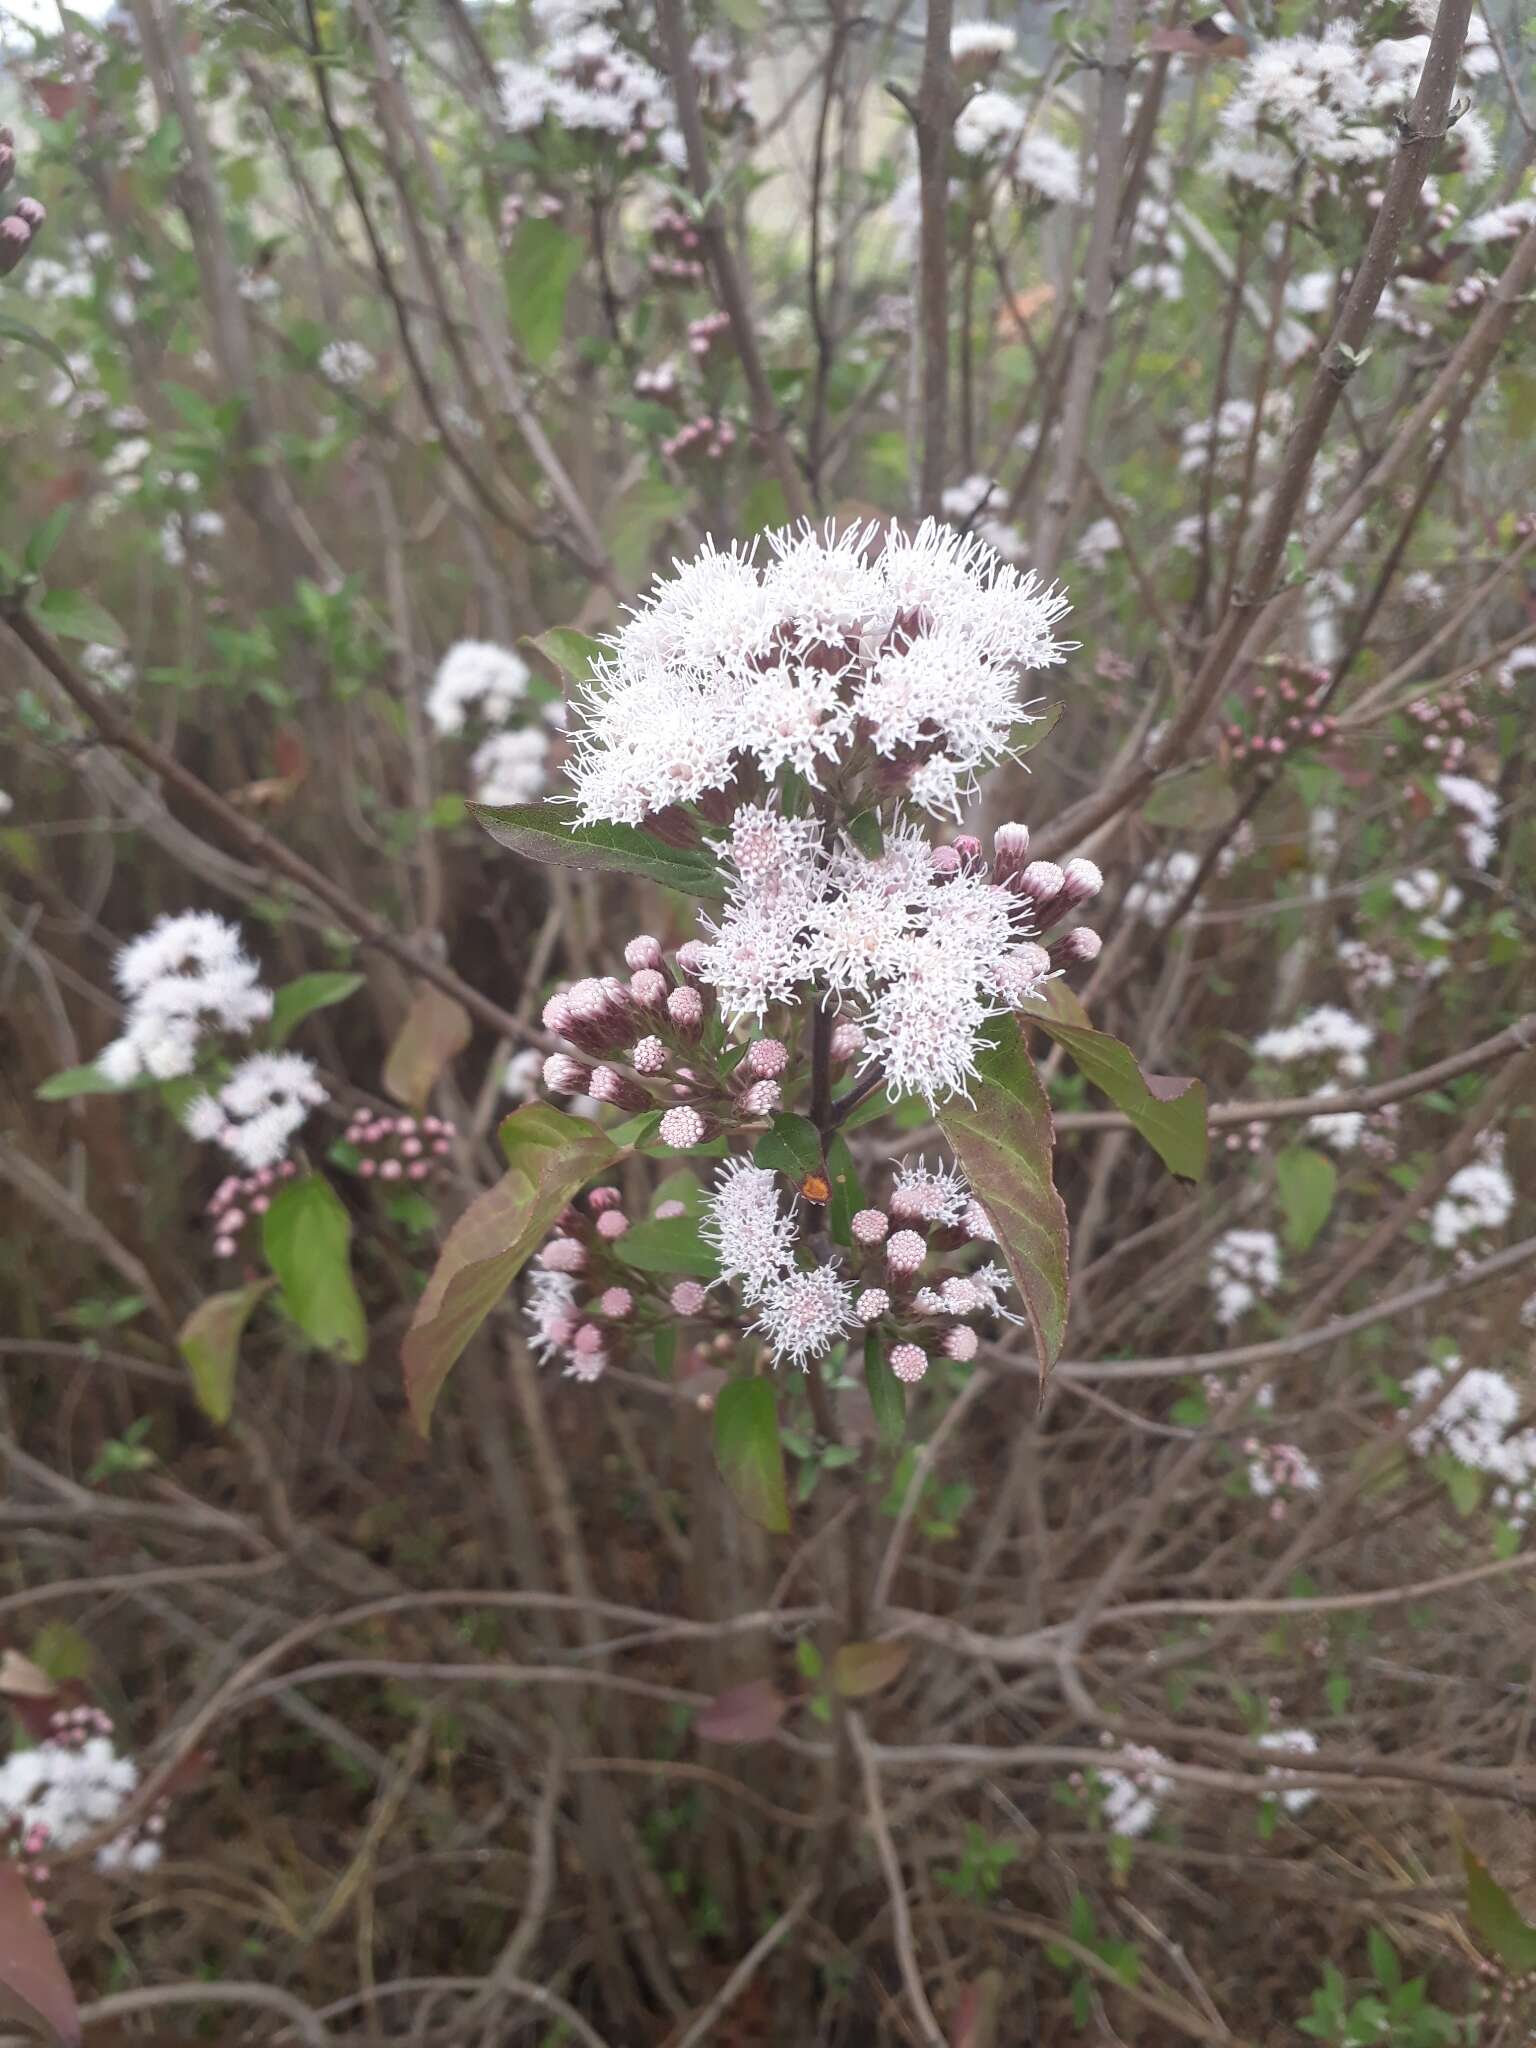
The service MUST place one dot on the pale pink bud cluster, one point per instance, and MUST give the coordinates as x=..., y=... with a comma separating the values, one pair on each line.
x=400, y=1148
x=240, y=1200
x=1282, y=719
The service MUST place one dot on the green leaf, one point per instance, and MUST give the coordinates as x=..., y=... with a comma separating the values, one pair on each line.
x=1306, y=1181
x=748, y=1451
x=307, y=1238
x=859, y=1669
x=299, y=999
x=569, y=651
x=670, y=1246
x=847, y=1195
x=1003, y=1140
x=747, y=15
x=45, y=538
x=12, y=329
x=865, y=832
x=1033, y=732
x=541, y=832
x=1196, y=799
x=1495, y=1919
x=537, y=270
x=74, y=616
x=87, y=1080
x=886, y=1394
x=549, y=1157
x=209, y=1341
x=1384, y=1963
x=1167, y=1109
x=790, y=1145
x=436, y=1029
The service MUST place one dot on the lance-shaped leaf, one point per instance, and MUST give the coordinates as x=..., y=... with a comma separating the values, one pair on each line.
x=209, y=1341
x=887, y=1396
x=1003, y=1139
x=1167, y=1109
x=573, y=653
x=670, y=1245
x=34, y=1990
x=435, y=1031
x=790, y=1145
x=89, y=1080
x=858, y=1669
x=299, y=999
x=748, y=1451
x=1305, y=1181
x=542, y=832
x=549, y=1157
x=1496, y=1920
x=307, y=1238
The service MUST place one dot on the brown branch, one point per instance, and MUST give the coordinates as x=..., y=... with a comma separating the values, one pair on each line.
x=932, y=116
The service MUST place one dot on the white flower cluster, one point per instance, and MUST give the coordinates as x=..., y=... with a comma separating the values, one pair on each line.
x=972, y=41
x=1328, y=1036
x=801, y=1311
x=1480, y=1197
x=909, y=644
x=1476, y=1424
x=1300, y=1797
x=346, y=362
x=1432, y=900
x=508, y=768
x=1155, y=895
x=475, y=676
x=1244, y=1268
x=991, y=126
x=184, y=977
x=259, y=1108
x=1131, y=1798
x=1479, y=841
x=921, y=958
x=69, y=1785
x=587, y=83
x=967, y=504
x=1296, y=101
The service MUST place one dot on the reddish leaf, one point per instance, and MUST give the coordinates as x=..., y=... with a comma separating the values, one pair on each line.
x=975, y=2021
x=34, y=1990
x=859, y=1669
x=435, y=1030
x=743, y=1713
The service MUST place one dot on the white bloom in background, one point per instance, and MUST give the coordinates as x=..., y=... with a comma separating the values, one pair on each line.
x=1279, y=1471
x=1244, y=1267
x=550, y=1311
x=924, y=634
x=1368, y=970
x=1161, y=889
x=1319, y=103
x=1326, y=1033
x=1048, y=168
x=478, y=676
x=56, y=1794
x=7, y=803
x=980, y=39
x=1341, y=1128
x=1479, y=840
x=186, y=976
x=587, y=83
x=1097, y=543
x=508, y=768
x=346, y=362
x=259, y=1108
x=1476, y=1424
x=741, y=1219
x=1300, y=1797
x=1131, y=1798
x=802, y=1313
x=523, y=1078
x=1480, y=1197
x=987, y=123
x=109, y=666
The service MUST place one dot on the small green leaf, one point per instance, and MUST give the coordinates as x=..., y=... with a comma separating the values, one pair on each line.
x=1196, y=799
x=859, y=1669
x=748, y=1451
x=549, y=1157
x=537, y=270
x=1305, y=1181
x=671, y=1246
x=847, y=1194
x=1384, y=1963
x=299, y=999
x=790, y=1145
x=12, y=329
x=74, y=616
x=87, y=1080
x=886, y=1394
x=542, y=832
x=1168, y=1110
x=1033, y=732
x=573, y=653
x=866, y=834
x=1495, y=1918
x=307, y=1238
x=209, y=1341
x=45, y=538
x=1003, y=1139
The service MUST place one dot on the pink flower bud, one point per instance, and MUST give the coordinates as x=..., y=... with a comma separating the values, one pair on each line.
x=761, y=1099
x=944, y=860
x=1081, y=879
x=1079, y=945
x=611, y=1225
x=15, y=237
x=224, y=1247
x=1010, y=850
x=588, y=1340
x=847, y=1043
x=643, y=952
x=563, y=1255
x=976, y=1222
x=961, y=1343
x=410, y=1148
x=960, y=1297
x=233, y=1222
x=558, y=1016
x=391, y=1169
x=1017, y=975
x=968, y=846
x=648, y=988
x=418, y=1169
x=367, y=1168
x=870, y=1226
x=693, y=957
x=766, y=1059
x=905, y=1252
x=685, y=1006
x=871, y=1305
x=599, y=1199
x=687, y=1297
x=562, y=1076
x=610, y=1086
x=616, y=1301
x=649, y=1056
x=909, y=1362
x=683, y=1128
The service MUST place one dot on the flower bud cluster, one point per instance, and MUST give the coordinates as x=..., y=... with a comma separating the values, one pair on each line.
x=21, y=223
x=1281, y=719
x=1436, y=731
x=400, y=1148
x=241, y=1200
x=676, y=251
x=705, y=439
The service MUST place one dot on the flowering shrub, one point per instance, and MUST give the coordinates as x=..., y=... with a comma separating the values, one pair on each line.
x=766, y=963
